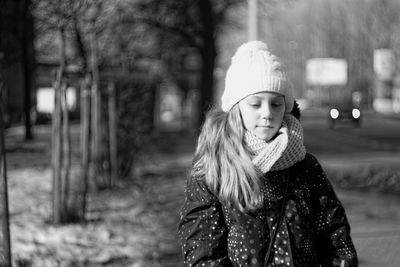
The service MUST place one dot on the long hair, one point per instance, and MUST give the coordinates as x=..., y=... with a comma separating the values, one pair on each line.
x=223, y=159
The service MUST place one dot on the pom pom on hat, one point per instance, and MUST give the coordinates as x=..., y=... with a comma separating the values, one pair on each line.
x=253, y=70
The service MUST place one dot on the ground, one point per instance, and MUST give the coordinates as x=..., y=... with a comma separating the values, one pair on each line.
x=133, y=225
x=128, y=225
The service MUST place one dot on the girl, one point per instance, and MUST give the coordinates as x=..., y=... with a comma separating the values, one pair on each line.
x=254, y=196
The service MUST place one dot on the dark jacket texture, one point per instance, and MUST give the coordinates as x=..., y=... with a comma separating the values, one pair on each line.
x=314, y=229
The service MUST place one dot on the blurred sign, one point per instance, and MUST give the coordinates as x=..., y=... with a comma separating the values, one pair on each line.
x=384, y=64
x=171, y=114
x=326, y=71
x=396, y=100
x=45, y=99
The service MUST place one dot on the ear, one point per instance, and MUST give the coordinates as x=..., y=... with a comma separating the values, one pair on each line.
x=296, y=110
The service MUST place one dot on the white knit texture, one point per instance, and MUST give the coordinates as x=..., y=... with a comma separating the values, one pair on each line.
x=283, y=151
x=253, y=70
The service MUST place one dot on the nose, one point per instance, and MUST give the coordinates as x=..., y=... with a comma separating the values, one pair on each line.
x=266, y=112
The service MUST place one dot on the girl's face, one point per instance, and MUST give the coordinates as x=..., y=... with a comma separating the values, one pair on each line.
x=262, y=114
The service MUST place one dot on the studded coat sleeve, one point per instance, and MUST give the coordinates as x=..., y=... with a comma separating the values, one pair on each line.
x=202, y=229
x=332, y=228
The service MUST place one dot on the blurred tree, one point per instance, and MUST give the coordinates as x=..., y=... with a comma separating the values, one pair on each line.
x=5, y=245
x=299, y=30
x=384, y=19
x=135, y=117
x=107, y=51
x=186, y=26
x=60, y=141
x=84, y=145
x=96, y=123
x=17, y=44
x=26, y=42
x=56, y=18
x=112, y=129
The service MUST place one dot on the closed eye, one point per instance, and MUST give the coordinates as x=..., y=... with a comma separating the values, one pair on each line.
x=255, y=104
x=277, y=104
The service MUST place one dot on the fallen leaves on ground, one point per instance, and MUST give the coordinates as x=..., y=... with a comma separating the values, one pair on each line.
x=126, y=226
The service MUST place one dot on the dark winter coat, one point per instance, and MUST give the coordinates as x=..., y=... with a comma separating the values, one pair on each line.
x=314, y=230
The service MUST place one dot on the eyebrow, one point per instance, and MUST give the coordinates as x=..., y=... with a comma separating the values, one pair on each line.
x=261, y=98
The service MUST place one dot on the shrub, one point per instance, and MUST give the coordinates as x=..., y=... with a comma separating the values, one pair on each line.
x=370, y=178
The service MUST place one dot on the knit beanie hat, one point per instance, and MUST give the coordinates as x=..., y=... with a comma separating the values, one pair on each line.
x=253, y=70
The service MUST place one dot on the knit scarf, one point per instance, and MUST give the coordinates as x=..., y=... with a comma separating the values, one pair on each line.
x=283, y=151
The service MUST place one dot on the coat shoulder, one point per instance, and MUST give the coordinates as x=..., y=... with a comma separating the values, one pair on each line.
x=310, y=168
x=310, y=159
x=310, y=162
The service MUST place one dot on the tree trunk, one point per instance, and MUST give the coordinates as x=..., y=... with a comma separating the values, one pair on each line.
x=5, y=246
x=96, y=149
x=95, y=157
x=57, y=156
x=112, y=113
x=85, y=144
x=79, y=45
x=66, y=163
x=207, y=81
x=208, y=54
x=26, y=43
x=56, y=136
x=85, y=115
